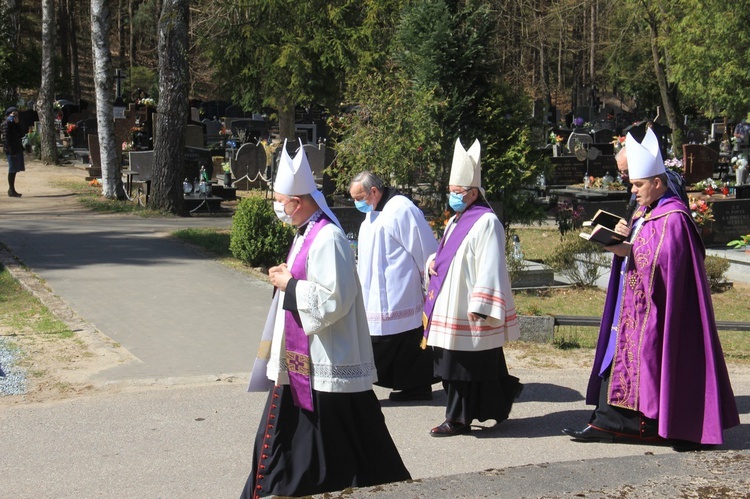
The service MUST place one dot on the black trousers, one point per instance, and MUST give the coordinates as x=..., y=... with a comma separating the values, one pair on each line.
x=619, y=419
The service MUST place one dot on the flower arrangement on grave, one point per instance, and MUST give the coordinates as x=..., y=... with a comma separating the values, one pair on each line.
x=742, y=242
x=708, y=186
x=226, y=167
x=578, y=121
x=148, y=101
x=127, y=146
x=618, y=142
x=553, y=137
x=674, y=164
x=72, y=127
x=226, y=132
x=739, y=161
x=568, y=217
x=606, y=182
x=701, y=211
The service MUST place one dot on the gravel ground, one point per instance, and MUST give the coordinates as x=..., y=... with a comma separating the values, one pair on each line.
x=12, y=378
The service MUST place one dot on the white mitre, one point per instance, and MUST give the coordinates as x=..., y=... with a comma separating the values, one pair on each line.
x=644, y=159
x=466, y=170
x=295, y=178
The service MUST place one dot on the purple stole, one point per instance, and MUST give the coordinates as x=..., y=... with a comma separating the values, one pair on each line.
x=444, y=257
x=297, y=343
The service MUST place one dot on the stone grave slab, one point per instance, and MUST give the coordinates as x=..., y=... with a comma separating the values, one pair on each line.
x=568, y=170
x=316, y=156
x=142, y=162
x=194, y=136
x=699, y=162
x=95, y=167
x=246, y=165
x=731, y=220
x=194, y=159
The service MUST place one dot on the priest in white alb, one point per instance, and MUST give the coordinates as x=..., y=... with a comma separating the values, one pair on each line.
x=322, y=428
x=469, y=308
x=394, y=243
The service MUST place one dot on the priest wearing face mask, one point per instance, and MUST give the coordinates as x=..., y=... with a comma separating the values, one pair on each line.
x=322, y=428
x=394, y=243
x=469, y=308
x=659, y=373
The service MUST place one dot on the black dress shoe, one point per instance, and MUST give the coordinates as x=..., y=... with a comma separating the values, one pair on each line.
x=590, y=434
x=14, y=194
x=422, y=393
x=449, y=428
x=685, y=445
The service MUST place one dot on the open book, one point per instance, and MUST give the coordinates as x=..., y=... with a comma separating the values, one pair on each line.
x=605, y=219
x=603, y=231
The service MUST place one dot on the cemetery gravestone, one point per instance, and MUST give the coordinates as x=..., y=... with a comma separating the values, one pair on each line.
x=212, y=131
x=194, y=136
x=699, y=162
x=95, y=167
x=316, y=156
x=194, y=159
x=731, y=220
x=142, y=162
x=249, y=162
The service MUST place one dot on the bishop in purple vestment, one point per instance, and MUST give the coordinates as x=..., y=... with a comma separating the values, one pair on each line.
x=659, y=372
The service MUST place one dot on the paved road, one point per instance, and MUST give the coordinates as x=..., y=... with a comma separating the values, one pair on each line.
x=178, y=423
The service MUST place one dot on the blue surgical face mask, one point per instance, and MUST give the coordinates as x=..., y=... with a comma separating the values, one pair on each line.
x=363, y=206
x=456, y=201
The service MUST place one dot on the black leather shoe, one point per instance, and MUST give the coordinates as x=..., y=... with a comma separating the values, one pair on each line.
x=424, y=393
x=14, y=194
x=449, y=428
x=590, y=434
x=685, y=446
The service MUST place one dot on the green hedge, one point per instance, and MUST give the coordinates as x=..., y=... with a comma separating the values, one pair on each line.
x=258, y=238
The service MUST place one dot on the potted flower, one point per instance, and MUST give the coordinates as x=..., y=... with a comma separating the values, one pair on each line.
x=742, y=243
x=703, y=214
x=227, y=174
x=69, y=130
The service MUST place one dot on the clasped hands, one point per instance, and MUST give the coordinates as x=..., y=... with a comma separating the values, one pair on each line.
x=280, y=276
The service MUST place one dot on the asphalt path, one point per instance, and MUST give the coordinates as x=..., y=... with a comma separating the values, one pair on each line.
x=176, y=420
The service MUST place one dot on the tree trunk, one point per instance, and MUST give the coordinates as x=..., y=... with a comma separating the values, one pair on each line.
x=46, y=97
x=64, y=35
x=174, y=82
x=667, y=98
x=286, y=120
x=103, y=79
x=74, y=67
x=12, y=8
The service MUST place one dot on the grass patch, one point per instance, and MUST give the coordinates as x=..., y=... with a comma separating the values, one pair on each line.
x=21, y=313
x=91, y=198
x=538, y=243
x=215, y=241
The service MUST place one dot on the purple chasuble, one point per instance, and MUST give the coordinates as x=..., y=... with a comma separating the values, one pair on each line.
x=297, y=342
x=446, y=252
x=667, y=361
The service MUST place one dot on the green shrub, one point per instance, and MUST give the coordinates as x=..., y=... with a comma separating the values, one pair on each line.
x=258, y=238
x=716, y=267
x=581, y=261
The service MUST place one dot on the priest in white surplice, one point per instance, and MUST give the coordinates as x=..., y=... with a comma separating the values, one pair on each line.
x=469, y=308
x=394, y=243
x=322, y=428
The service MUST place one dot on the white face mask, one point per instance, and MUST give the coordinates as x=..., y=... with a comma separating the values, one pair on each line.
x=278, y=208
